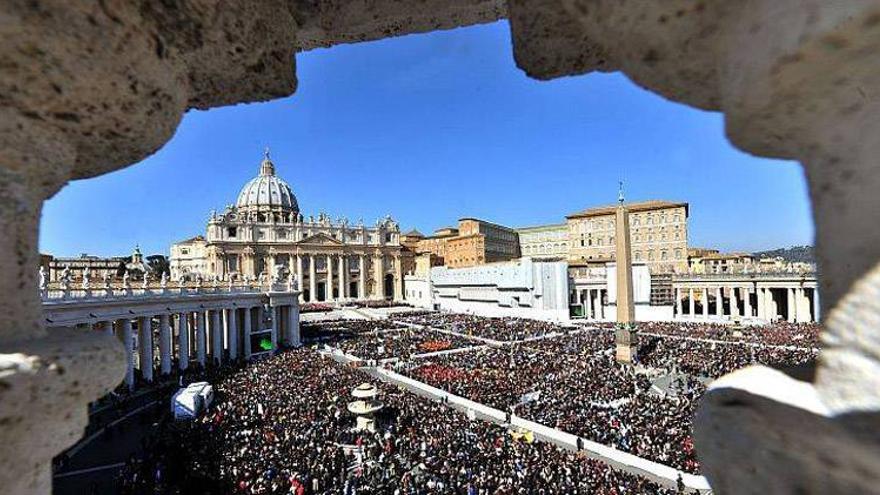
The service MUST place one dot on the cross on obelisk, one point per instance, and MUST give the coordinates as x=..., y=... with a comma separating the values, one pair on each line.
x=624, y=335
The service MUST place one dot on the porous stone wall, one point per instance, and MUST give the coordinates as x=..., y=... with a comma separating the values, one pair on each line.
x=91, y=87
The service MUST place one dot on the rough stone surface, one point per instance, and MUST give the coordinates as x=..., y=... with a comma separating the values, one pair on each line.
x=49, y=381
x=759, y=431
x=90, y=87
x=324, y=23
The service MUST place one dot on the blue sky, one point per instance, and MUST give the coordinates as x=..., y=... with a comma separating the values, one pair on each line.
x=431, y=128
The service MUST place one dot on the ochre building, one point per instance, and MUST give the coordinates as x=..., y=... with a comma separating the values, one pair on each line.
x=474, y=242
x=658, y=232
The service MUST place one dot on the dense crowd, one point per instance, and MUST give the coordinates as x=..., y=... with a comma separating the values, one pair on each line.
x=574, y=384
x=402, y=344
x=707, y=359
x=779, y=333
x=503, y=329
x=342, y=329
x=281, y=426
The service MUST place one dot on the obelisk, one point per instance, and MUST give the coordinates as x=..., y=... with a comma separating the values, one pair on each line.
x=624, y=335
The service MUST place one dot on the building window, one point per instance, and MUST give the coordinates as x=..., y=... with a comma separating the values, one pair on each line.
x=231, y=231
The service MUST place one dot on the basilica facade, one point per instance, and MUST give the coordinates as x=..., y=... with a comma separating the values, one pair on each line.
x=265, y=234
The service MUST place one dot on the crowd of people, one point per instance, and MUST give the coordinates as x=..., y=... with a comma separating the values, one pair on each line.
x=403, y=344
x=573, y=383
x=501, y=329
x=281, y=426
x=711, y=360
x=779, y=333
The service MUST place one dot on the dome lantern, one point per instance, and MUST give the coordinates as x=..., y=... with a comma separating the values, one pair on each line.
x=267, y=190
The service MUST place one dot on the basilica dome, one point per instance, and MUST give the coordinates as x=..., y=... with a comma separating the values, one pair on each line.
x=267, y=189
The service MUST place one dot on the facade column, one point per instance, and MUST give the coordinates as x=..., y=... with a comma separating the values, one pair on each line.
x=182, y=342
x=301, y=278
x=398, y=279
x=145, y=347
x=216, y=336
x=313, y=291
x=246, y=333
x=164, y=344
x=378, y=277
x=362, y=277
x=719, y=302
x=232, y=332
x=107, y=327
x=600, y=308
x=342, y=277
x=705, y=300
x=328, y=288
x=734, y=303
x=816, y=308
x=128, y=344
x=276, y=315
x=678, y=308
x=792, y=312
x=201, y=345
x=691, y=307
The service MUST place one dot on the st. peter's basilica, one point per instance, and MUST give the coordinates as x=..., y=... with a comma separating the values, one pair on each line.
x=265, y=233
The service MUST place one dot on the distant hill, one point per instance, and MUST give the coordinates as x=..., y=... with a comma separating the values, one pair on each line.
x=804, y=254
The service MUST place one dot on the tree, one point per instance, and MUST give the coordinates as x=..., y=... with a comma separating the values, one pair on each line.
x=158, y=264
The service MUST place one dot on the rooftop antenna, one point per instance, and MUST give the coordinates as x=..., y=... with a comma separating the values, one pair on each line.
x=620, y=192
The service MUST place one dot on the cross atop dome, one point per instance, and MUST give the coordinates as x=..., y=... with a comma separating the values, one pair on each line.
x=266, y=166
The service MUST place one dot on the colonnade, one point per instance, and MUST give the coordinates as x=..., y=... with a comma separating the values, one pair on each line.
x=340, y=269
x=205, y=336
x=593, y=302
x=747, y=302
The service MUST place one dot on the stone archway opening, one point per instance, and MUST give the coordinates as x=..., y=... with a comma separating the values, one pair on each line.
x=794, y=79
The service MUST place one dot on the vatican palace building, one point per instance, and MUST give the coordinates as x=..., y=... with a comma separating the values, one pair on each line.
x=265, y=236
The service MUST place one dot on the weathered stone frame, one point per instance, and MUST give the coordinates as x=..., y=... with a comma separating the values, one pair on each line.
x=91, y=87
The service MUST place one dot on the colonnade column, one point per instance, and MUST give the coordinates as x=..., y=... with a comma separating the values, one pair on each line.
x=691, y=307
x=600, y=310
x=362, y=277
x=328, y=288
x=342, y=277
x=293, y=334
x=705, y=300
x=719, y=302
x=164, y=344
x=275, y=316
x=734, y=303
x=128, y=344
x=107, y=327
x=232, y=332
x=246, y=333
x=201, y=345
x=313, y=292
x=790, y=302
x=398, y=279
x=588, y=312
x=678, y=305
x=182, y=342
x=816, y=308
x=216, y=336
x=747, y=297
x=145, y=348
